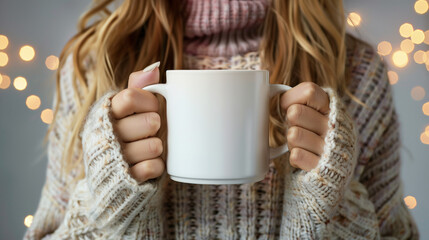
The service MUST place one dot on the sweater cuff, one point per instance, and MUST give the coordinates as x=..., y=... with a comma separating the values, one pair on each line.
x=321, y=189
x=116, y=195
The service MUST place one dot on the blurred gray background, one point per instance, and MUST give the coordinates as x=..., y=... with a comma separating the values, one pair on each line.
x=47, y=25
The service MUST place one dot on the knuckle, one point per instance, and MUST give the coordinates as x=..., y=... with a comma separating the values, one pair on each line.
x=310, y=89
x=294, y=113
x=161, y=166
x=153, y=121
x=151, y=100
x=153, y=169
x=156, y=120
x=149, y=171
x=133, y=75
x=128, y=96
x=155, y=146
x=293, y=135
x=295, y=155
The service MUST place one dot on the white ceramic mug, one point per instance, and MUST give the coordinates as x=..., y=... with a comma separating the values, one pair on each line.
x=218, y=125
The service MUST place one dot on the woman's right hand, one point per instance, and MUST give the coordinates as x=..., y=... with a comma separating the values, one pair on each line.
x=137, y=122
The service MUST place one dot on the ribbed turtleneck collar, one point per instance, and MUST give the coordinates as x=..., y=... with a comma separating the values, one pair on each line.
x=223, y=27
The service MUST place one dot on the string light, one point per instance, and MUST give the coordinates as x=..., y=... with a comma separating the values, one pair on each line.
x=424, y=138
x=5, y=83
x=20, y=83
x=410, y=201
x=393, y=77
x=33, y=102
x=4, y=42
x=425, y=109
x=418, y=36
x=384, y=48
x=421, y=6
x=27, y=53
x=400, y=59
x=4, y=59
x=407, y=45
x=47, y=116
x=426, y=37
x=52, y=62
x=418, y=93
x=427, y=57
x=420, y=57
x=354, y=19
x=28, y=220
x=406, y=30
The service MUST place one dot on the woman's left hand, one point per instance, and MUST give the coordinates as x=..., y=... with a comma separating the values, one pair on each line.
x=307, y=108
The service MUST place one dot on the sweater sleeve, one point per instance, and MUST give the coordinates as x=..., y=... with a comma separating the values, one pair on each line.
x=54, y=195
x=339, y=200
x=312, y=198
x=107, y=203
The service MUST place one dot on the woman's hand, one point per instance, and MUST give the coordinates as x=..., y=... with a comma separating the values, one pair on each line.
x=307, y=108
x=137, y=122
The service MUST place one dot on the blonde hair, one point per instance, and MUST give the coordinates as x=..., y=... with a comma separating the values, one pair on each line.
x=303, y=40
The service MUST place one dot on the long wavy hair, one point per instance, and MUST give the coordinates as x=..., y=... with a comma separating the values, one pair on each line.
x=302, y=40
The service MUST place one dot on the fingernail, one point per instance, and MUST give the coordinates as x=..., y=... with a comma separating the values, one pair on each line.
x=151, y=67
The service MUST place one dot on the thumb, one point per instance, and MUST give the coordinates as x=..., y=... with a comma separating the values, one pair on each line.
x=147, y=76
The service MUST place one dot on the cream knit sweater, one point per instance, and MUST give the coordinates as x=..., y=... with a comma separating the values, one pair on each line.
x=354, y=193
x=349, y=195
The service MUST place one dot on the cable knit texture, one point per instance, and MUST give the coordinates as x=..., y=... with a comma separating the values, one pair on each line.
x=354, y=192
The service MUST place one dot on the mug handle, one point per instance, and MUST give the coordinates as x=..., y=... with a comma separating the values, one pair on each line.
x=278, y=151
x=157, y=88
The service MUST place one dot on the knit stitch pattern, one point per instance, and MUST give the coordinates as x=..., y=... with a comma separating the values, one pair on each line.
x=355, y=192
x=224, y=27
x=330, y=201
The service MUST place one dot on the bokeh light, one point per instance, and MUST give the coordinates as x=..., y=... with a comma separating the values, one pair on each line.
x=425, y=109
x=418, y=93
x=52, y=62
x=421, y=6
x=354, y=19
x=407, y=45
x=27, y=53
x=4, y=59
x=427, y=57
x=1, y=79
x=5, y=83
x=384, y=48
x=4, y=42
x=20, y=83
x=427, y=130
x=424, y=138
x=406, y=30
x=410, y=201
x=33, y=102
x=426, y=37
x=400, y=59
x=47, y=116
x=420, y=57
x=393, y=77
x=418, y=36
x=28, y=220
